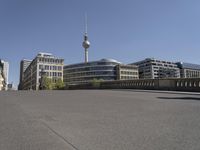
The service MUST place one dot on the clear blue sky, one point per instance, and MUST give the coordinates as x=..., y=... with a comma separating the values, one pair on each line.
x=125, y=30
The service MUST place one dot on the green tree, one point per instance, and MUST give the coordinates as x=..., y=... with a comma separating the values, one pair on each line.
x=47, y=83
x=51, y=84
x=59, y=84
x=96, y=83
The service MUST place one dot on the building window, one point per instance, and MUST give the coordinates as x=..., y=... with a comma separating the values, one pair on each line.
x=54, y=67
x=46, y=67
x=59, y=68
x=59, y=74
x=40, y=66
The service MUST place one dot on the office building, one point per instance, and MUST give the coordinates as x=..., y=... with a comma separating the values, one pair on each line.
x=188, y=70
x=1, y=82
x=151, y=68
x=104, y=69
x=5, y=66
x=23, y=65
x=51, y=65
x=2, y=77
x=2, y=85
x=127, y=72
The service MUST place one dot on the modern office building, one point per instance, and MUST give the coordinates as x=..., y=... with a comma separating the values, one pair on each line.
x=51, y=65
x=104, y=69
x=151, y=68
x=188, y=70
x=5, y=66
x=23, y=65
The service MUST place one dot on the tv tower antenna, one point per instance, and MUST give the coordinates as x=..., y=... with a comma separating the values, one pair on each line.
x=86, y=43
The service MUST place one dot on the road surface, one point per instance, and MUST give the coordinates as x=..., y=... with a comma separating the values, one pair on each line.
x=99, y=120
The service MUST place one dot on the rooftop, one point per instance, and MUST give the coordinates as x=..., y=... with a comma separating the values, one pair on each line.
x=188, y=65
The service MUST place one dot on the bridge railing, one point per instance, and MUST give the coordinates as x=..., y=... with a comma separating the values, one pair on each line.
x=188, y=84
x=180, y=84
x=146, y=84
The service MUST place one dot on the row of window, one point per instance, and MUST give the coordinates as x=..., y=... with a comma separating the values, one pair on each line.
x=130, y=67
x=166, y=64
x=46, y=67
x=53, y=79
x=129, y=73
x=90, y=74
x=51, y=60
x=90, y=64
x=87, y=79
x=89, y=69
x=53, y=74
x=128, y=77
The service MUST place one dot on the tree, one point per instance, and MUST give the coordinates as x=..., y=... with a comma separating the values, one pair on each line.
x=59, y=84
x=46, y=83
x=96, y=83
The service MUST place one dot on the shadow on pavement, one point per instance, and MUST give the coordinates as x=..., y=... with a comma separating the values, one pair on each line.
x=181, y=98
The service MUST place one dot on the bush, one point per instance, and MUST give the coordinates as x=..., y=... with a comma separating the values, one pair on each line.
x=59, y=85
x=96, y=83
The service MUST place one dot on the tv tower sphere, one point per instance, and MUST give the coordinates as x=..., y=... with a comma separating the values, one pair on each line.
x=86, y=44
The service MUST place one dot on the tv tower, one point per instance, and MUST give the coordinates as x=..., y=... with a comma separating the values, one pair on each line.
x=86, y=43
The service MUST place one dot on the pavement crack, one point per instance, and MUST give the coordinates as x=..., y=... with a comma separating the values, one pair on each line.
x=60, y=136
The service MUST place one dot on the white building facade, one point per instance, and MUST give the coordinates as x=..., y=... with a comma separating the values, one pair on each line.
x=2, y=83
x=5, y=69
x=51, y=65
x=151, y=68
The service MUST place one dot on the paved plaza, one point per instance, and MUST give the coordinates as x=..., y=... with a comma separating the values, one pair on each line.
x=99, y=120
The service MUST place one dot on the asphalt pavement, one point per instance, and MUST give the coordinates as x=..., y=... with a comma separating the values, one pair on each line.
x=99, y=120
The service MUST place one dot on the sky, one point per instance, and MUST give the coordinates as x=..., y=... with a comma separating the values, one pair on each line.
x=125, y=30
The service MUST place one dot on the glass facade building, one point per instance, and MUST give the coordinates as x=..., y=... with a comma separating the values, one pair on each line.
x=104, y=69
